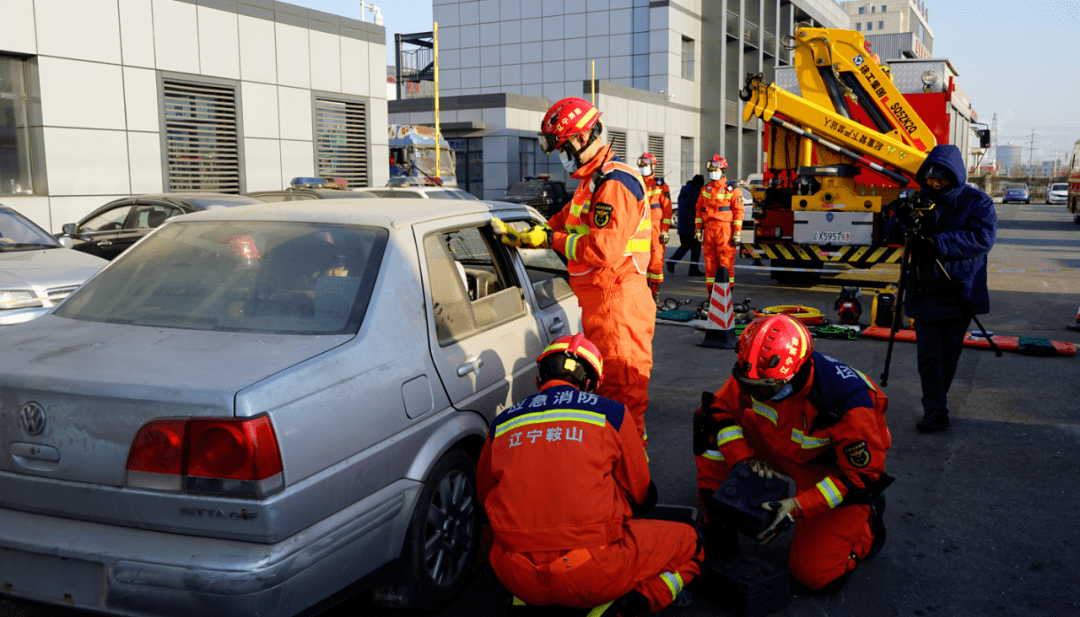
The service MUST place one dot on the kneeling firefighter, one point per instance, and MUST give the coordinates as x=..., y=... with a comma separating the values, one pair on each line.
x=790, y=410
x=560, y=476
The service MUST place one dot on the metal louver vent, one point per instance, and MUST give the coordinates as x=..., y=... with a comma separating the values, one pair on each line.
x=341, y=141
x=201, y=143
x=618, y=143
x=656, y=148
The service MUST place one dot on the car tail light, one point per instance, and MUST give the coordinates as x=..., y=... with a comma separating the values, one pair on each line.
x=220, y=456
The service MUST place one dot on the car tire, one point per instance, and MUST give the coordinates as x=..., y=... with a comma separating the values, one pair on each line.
x=1076, y=216
x=442, y=540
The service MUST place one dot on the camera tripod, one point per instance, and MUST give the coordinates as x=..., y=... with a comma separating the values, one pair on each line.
x=905, y=267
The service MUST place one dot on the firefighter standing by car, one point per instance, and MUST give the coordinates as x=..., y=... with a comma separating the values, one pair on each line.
x=719, y=222
x=560, y=476
x=658, y=195
x=793, y=411
x=605, y=233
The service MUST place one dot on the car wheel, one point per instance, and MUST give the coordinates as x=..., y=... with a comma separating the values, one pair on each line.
x=442, y=540
x=1076, y=216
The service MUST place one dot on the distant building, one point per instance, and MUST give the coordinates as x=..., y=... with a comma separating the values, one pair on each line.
x=895, y=29
x=1008, y=157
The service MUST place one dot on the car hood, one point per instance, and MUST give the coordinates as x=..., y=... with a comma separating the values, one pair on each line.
x=99, y=383
x=46, y=268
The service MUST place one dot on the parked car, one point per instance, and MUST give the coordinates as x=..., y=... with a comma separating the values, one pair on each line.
x=258, y=407
x=1015, y=192
x=1057, y=193
x=305, y=189
x=417, y=192
x=546, y=195
x=112, y=228
x=36, y=271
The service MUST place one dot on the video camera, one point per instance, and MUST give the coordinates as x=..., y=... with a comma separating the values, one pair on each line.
x=912, y=208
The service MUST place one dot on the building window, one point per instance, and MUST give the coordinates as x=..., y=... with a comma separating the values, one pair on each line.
x=686, y=156
x=16, y=177
x=880, y=25
x=687, y=58
x=656, y=148
x=858, y=26
x=202, y=150
x=884, y=8
x=869, y=25
x=527, y=157
x=341, y=140
x=873, y=9
x=618, y=143
x=862, y=9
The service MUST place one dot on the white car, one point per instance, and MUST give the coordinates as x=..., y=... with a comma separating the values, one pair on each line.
x=256, y=408
x=1057, y=193
x=417, y=192
x=36, y=271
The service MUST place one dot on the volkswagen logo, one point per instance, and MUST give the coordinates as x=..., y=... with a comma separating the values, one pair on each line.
x=32, y=418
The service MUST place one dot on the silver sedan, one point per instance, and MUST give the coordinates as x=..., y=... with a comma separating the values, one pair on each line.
x=255, y=408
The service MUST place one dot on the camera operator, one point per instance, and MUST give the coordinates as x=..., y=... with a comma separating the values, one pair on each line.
x=949, y=226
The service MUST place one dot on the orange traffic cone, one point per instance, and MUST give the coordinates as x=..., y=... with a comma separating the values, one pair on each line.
x=720, y=329
x=1076, y=326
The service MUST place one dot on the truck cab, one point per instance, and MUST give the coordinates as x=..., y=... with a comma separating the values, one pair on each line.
x=413, y=156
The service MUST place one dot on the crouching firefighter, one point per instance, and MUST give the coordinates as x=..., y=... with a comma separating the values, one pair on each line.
x=789, y=410
x=560, y=476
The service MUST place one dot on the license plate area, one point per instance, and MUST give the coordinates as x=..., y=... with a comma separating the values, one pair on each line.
x=51, y=579
x=832, y=237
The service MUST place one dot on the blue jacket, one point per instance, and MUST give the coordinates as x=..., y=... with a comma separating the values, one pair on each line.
x=688, y=197
x=962, y=225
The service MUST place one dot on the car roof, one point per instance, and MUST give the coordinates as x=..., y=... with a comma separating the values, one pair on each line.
x=181, y=197
x=378, y=212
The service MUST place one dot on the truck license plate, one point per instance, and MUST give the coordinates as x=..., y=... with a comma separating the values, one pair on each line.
x=832, y=236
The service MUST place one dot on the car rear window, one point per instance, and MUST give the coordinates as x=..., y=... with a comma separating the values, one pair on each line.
x=1016, y=187
x=397, y=194
x=239, y=276
x=526, y=188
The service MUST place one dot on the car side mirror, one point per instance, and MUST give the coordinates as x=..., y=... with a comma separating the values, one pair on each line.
x=68, y=229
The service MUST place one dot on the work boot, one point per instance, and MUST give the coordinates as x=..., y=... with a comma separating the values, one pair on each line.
x=671, y=267
x=933, y=421
x=633, y=604
x=877, y=526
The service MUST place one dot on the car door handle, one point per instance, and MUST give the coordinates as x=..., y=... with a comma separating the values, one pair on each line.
x=557, y=325
x=471, y=364
x=105, y=243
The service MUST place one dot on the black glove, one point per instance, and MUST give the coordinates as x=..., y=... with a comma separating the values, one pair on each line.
x=923, y=245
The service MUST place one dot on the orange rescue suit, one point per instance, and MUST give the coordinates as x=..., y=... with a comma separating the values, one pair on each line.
x=834, y=468
x=720, y=217
x=658, y=195
x=606, y=239
x=556, y=477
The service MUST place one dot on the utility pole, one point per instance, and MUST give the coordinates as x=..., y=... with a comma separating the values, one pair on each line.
x=1031, y=150
x=993, y=134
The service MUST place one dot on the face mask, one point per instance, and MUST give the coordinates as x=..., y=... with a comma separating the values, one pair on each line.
x=715, y=175
x=568, y=162
x=646, y=170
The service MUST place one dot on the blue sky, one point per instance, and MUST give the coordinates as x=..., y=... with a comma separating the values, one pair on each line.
x=1016, y=59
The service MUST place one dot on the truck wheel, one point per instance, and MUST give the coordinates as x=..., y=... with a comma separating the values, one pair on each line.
x=442, y=540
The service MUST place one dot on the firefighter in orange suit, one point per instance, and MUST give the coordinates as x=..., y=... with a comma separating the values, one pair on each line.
x=718, y=223
x=560, y=476
x=793, y=411
x=605, y=232
x=658, y=195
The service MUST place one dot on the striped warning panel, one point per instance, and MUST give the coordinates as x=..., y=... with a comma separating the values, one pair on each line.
x=856, y=255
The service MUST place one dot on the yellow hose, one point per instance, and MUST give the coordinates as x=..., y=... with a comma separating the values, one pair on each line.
x=802, y=313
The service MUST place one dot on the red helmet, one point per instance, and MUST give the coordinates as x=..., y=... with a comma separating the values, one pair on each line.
x=771, y=351
x=716, y=162
x=573, y=359
x=646, y=159
x=566, y=118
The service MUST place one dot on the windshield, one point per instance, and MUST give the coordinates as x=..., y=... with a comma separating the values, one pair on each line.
x=424, y=158
x=209, y=203
x=1016, y=187
x=397, y=194
x=239, y=276
x=1059, y=187
x=19, y=233
x=527, y=188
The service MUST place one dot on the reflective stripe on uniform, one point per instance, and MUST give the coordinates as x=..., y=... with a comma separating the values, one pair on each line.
x=667, y=222
x=806, y=442
x=764, y=410
x=551, y=415
x=829, y=490
x=713, y=455
x=674, y=582
x=656, y=277
x=571, y=245
x=728, y=434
